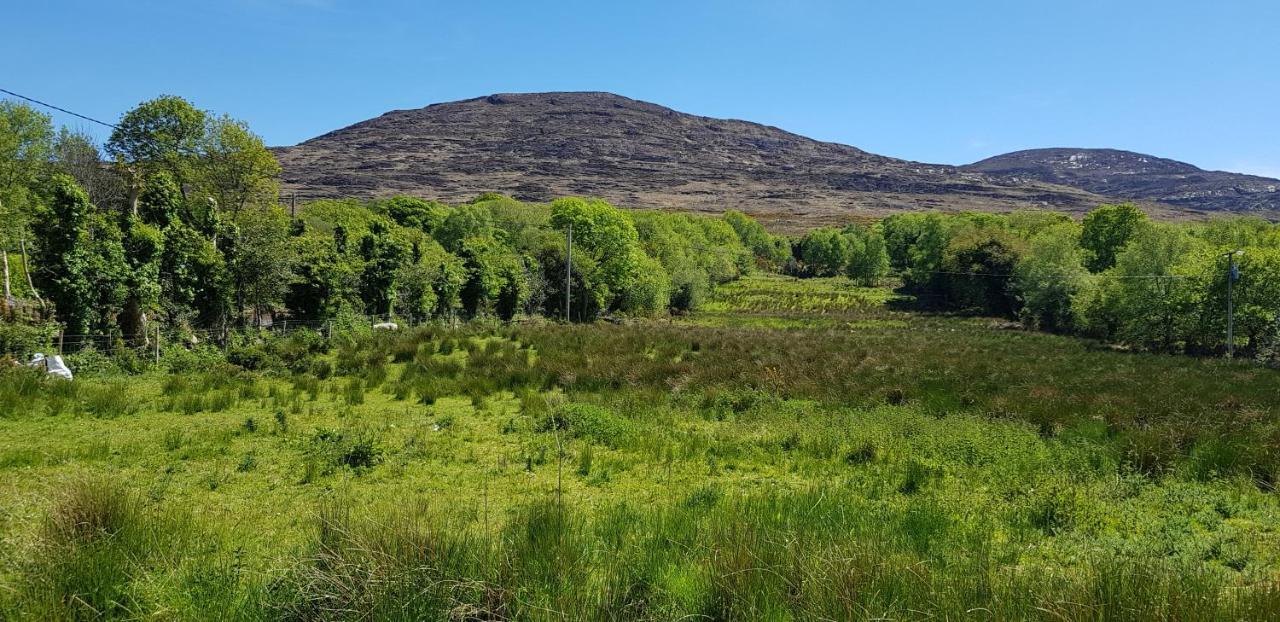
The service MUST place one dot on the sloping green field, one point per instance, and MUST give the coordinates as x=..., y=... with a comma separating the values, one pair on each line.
x=799, y=450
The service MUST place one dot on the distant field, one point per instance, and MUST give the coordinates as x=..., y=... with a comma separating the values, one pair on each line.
x=798, y=450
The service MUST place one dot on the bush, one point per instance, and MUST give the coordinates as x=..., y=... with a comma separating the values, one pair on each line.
x=331, y=449
x=21, y=339
x=590, y=422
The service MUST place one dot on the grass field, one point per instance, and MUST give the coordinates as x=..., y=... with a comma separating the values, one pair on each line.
x=799, y=450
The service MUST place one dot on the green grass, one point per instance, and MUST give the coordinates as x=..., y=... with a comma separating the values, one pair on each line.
x=832, y=457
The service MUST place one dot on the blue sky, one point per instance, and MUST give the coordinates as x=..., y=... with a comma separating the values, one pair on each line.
x=943, y=81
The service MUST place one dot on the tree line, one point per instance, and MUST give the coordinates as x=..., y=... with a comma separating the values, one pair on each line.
x=177, y=220
x=1116, y=275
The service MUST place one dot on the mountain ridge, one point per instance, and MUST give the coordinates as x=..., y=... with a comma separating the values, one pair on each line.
x=1133, y=175
x=537, y=146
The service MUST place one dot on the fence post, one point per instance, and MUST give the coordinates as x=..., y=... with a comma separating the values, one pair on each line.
x=157, y=343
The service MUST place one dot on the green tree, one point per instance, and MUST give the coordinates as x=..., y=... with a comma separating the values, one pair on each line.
x=160, y=202
x=143, y=251
x=382, y=254
x=193, y=278
x=869, y=258
x=770, y=252
x=26, y=140
x=325, y=282
x=977, y=269
x=234, y=167
x=605, y=255
x=162, y=134
x=1148, y=298
x=462, y=223
x=415, y=213
x=825, y=252
x=496, y=280
x=81, y=258
x=1049, y=277
x=260, y=259
x=1107, y=229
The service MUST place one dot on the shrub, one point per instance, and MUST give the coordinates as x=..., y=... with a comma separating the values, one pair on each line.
x=588, y=421
x=331, y=449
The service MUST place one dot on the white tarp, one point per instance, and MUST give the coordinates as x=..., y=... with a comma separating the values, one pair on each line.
x=52, y=365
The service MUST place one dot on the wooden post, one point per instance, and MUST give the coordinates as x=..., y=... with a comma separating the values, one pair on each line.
x=157, y=343
x=61, y=334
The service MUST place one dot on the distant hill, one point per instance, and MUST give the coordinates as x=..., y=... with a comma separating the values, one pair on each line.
x=1138, y=176
x=539, y=146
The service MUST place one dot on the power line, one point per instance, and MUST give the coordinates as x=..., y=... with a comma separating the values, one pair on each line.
x=59, y=109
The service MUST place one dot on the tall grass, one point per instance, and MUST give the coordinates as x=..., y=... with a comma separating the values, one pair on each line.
x=813, y=556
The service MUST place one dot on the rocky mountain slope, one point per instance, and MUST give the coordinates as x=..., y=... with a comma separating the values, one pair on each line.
x=1137, y=176
x=539, y=146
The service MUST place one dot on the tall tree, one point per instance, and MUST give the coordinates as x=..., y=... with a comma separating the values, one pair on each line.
x=26, y=140
x=260, y=259
x=81, y=258
x=165, y=133
x=1107, y=229
x=234, y=166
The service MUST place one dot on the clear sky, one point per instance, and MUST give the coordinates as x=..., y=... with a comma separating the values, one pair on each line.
x=941, y=81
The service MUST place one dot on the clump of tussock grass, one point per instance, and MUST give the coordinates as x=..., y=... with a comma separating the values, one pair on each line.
x=109, y=401
x=588, y=421
x=327, y=450
x=818, y=555
x=95, y=545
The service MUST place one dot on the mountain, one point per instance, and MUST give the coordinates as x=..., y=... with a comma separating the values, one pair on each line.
x=538, y=146
x=1138, y=176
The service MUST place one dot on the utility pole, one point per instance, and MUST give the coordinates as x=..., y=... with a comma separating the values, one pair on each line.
x=568, y=271
x=1233, y=274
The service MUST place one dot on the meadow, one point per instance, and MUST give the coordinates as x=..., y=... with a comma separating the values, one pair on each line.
x=794, y=450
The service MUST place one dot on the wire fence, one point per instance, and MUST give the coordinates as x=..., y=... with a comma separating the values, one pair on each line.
x=153, y=341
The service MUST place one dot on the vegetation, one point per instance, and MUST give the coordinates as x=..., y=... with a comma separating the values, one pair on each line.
x=798, y=449
x=842, y=426
x=1116, y=277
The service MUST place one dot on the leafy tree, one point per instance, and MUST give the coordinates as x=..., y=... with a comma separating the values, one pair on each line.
x=26, y=145
x=606, y=249
x=1147, y=298
x=162, y=134
x=924, y=257
x=324, y=281
x=1049, y=277
x=260, y=259
x=382, y=255
x=193, y=277
x=143, y=251
x=1107, y=229
x=868, y=259
x=649, y=290
x=770, y=252
x=81, y=258
x=26, y=139
x=825, y=252
x=978, y=267
x=161, y=201
x=234, y=166
x=415, y=213
x=431, y=279
x=495, y=280
x=462, y=223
